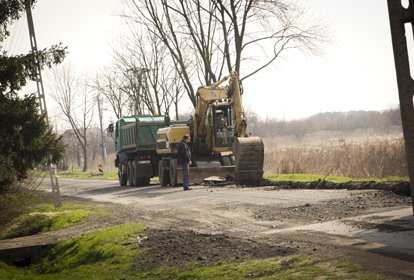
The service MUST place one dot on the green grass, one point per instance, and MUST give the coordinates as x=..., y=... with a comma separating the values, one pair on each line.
x=291, y=267
x=335, y=179
x=104, y=254
x=45, y=217
x=110, y=174
x=113, y=253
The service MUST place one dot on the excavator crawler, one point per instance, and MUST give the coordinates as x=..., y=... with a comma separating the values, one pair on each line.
x=220, y=144
x=249, y=157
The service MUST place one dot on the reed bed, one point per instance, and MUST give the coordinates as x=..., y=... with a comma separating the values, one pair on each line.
x=370, y=158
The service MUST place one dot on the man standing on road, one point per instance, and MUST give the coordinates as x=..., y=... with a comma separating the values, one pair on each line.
x=184, y=159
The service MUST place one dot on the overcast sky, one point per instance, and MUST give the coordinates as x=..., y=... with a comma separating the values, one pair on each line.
x=356, y=71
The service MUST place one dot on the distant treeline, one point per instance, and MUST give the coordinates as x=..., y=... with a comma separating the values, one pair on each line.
x=331, y=121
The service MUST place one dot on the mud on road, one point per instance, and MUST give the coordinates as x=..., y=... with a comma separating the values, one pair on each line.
x=208, y=224
x=189, y=240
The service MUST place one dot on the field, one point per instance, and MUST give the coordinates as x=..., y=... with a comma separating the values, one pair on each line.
x=364, y=153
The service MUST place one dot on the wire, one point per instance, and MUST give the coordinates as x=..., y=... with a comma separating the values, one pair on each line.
x=10, y=40
x=17, y=35
x=24, y=33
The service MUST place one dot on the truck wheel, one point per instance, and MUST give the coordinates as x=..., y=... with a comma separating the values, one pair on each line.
x=137, y=180
x=163, y=173
x=146, y=181
x=173, y=175
x=130, y=174
x=122, y=177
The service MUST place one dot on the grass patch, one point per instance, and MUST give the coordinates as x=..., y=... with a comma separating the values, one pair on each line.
x=78, y=174
x=45, y=217
x=104, y=254
x=335, y=179
x=114, y=252
x=106, y=250
x=291, y=267
x=110, y=174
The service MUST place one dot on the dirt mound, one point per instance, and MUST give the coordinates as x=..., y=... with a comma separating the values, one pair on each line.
x=175, y=247
x=354, y=205
x=398, y=187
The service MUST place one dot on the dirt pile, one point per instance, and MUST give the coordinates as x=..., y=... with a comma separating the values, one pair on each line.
x=398, y=187
x=175, y=247
x=356, y=204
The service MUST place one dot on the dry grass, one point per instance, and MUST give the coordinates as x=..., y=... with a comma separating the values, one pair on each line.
x=378, y=156
x=18, y=198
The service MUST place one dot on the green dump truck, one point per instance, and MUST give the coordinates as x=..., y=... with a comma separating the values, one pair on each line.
x=136, y=143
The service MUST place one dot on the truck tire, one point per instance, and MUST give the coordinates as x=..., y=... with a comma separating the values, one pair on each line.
x=163, y=173
x=146, y=181
x=122, y=177
x=131, y=174
x=173, y=174
x=137, y=180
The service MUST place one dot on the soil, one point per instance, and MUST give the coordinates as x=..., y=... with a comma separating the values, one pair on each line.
x=241, y=230
x=356, y=204
x=176, y=247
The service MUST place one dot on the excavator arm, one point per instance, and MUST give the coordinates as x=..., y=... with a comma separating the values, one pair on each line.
x=240, y=123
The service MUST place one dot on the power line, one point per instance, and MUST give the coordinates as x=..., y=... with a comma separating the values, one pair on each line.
x=12, y=38
x=22, y=32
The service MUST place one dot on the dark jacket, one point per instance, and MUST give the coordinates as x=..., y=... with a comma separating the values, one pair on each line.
x=184, y=153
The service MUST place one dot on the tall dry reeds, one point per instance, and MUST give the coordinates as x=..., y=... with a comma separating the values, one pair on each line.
x=365, y=159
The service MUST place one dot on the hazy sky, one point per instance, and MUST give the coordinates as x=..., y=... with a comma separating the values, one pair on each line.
x=356, y=71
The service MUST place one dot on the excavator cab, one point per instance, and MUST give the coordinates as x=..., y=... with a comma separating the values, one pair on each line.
x=223, y=128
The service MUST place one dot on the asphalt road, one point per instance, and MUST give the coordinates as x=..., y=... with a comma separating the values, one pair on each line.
x=156, y=196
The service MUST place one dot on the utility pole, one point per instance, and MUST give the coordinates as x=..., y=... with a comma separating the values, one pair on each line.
x=103, y=144
x=33, y=44
x=401, y=23
x=42, y=101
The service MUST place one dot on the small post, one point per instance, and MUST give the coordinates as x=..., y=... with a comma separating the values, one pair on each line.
x=100, y=169
x=55, y=185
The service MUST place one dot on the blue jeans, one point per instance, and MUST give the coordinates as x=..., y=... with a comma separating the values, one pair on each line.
x=186, y=169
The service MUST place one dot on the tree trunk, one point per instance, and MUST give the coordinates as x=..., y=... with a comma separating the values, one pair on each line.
x=78, y=158
x=85, y=159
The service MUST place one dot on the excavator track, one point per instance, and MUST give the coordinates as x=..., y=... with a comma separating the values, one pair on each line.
x=249, y=157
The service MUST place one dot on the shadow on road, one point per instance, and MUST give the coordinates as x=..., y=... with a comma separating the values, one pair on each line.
x=153, y=190
x=395, y=238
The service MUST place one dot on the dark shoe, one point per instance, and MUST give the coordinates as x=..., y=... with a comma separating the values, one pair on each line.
x=187, y=189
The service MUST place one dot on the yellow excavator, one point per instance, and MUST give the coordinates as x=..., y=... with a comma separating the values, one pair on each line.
x=220, y=144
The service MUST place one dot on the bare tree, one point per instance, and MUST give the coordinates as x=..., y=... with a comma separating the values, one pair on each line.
x=76, y=105
x=275, y=25
x=157, y=18
x=114, y=87
x=151, y=81
x=203, y=37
